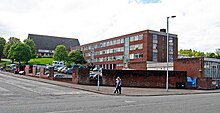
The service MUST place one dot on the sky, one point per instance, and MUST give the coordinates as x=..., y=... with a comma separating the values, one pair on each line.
x=197, y=22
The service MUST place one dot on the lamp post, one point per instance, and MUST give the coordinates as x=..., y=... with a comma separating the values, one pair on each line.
x=167, y=86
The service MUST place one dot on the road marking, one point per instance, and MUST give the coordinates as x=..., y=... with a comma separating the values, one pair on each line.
x=67, y=111
x=127, y=101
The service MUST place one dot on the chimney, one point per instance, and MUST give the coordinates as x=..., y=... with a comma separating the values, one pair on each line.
x=163, y=30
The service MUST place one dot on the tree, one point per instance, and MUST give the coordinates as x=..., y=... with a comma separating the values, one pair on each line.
x=76, y=57
x=20, y=52
x=217, y=51
x=2, y=44
x=191, y=53
x=210, y=55
x=31, y=43
x=11, y=41
x=60, y=53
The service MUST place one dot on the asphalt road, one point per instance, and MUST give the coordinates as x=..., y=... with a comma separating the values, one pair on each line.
x=25, y=96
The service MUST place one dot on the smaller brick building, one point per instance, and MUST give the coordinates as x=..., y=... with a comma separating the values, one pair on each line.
x=199, y=67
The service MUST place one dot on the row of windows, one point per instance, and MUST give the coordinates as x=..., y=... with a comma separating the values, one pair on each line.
x=104, y=44
x=115, y=50
x=110, y=58
x=137, y=46
x=136, y=55
x=136, y=37
x=113, y=58
x=108, y=51
x=155, y=49
x=113, y=42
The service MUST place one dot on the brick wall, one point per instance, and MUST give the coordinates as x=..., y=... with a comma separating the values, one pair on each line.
x=143, y=78
x=134, y=78
x=193, y=66
x=205, y=83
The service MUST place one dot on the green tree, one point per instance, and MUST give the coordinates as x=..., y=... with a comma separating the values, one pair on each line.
x=11, y=41
x=31, y=43
x=60, y=53
x=2, y=44
x=20, y=52
x=76, y=57
x=210, y=55
x=190, y=53
x=217, y=51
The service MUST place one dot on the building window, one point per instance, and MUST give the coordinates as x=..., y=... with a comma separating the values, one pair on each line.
x=114, y=42
x=136, y=47
x=155, y=56
x=104, y=44
x=122, y=40
x=163, y=38
x=140, y=37
x=155, y=38
x=107, y=44
x=171, y=58
x=136, y=37
x=136, y=56
x=171, y=39
x=118, y=41
x=110, y=43
x=131, y=39
x=154, y=46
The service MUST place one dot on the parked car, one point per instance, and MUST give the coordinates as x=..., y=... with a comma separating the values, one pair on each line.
x=91, y=76
x=64, y=69
x=58, y=76
x=94, y=73
x=68, y=71
x=12, y=66
x=58, y=63
x=59, y=69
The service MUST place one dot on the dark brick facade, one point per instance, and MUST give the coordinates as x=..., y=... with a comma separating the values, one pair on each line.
x=134, y=78
x=193, y=66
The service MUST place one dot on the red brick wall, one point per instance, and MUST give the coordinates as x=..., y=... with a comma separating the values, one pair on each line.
x=193, y=66
x=135, y=78
x=205, y=83
x=81, y=76
x=137, y=65
x=143, y=78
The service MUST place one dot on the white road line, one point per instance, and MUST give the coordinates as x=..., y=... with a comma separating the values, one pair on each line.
x=66, y=111
x=127, y=101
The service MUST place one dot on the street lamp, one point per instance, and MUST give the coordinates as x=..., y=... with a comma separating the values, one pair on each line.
x=168, y=50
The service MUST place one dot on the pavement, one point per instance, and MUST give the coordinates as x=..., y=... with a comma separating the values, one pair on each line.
x=126, y=91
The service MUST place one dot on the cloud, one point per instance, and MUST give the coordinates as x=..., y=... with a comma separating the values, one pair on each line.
x=197, y=21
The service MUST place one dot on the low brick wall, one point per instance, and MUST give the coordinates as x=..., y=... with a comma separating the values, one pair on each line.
x=134, y=78
x=143, y=78
x=83, y=77
x=205, y=83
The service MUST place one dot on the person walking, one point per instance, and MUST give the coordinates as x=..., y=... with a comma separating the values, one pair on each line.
x=119, y=85
x=116, y=87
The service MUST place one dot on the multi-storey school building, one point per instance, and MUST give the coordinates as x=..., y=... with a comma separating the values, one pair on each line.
x=133, y=51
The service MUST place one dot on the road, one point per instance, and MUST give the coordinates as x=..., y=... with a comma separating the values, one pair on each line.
x=26, y=96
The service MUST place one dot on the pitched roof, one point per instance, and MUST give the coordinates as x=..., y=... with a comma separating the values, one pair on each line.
x=50, y=42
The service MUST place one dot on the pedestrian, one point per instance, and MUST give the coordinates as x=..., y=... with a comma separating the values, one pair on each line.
x=116, y=86
x=119, y=85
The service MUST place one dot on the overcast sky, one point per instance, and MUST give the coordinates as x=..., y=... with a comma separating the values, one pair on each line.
x=197, y=23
